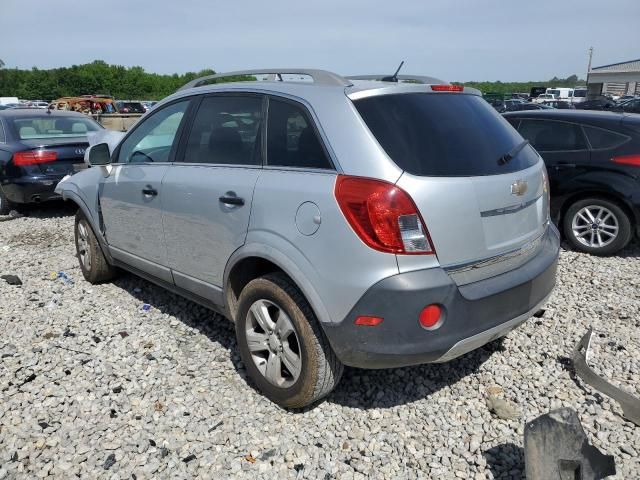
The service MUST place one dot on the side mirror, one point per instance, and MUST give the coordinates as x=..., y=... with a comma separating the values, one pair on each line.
x=99, y=155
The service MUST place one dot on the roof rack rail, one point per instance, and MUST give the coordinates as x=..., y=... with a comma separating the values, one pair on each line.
x=411, y=78
x=322, y=77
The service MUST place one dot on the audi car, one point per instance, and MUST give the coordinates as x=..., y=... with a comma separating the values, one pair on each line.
x=37, y=149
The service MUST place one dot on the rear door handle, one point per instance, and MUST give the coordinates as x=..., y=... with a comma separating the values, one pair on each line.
x=231, y=200
x=566, y=165
x=149, y=191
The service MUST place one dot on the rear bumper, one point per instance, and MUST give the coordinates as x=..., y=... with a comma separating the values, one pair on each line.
x=474, y=314
x=31, y=189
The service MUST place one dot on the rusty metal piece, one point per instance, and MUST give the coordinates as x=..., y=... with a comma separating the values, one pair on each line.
x=630, y=404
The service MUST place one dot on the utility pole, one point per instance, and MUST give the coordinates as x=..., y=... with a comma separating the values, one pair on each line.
x=590, y=57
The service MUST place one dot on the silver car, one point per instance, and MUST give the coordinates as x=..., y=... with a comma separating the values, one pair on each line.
x=335, y=221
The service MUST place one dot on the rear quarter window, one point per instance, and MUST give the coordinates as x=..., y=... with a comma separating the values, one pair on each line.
x=443, y=134
x=291, y=138
x=603, y=139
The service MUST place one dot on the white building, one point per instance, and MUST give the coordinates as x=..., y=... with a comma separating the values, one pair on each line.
x=615, y=79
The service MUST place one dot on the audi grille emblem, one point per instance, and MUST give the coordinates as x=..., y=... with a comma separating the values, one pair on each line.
x=79, y=151
x=519, y=188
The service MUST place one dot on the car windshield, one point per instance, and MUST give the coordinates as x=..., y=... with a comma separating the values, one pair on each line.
x=443, y=134
x=580, y=93
x=48, y=126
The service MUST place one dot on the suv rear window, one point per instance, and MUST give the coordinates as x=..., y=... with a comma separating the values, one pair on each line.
x=443, y=134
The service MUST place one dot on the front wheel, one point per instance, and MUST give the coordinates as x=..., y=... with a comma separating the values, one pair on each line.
x=597, y=226
x=93, y=263
x=282, y=346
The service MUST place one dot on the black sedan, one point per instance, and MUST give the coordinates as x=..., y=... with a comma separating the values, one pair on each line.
x=37, y=149
x=593, y=161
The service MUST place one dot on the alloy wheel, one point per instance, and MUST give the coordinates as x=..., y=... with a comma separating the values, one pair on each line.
x=84, y=252
x=595, y=226
x=273, y=343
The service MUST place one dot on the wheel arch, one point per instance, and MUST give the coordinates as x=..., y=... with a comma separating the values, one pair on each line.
x=71, y=196
x=605, y=195
x=255, y=260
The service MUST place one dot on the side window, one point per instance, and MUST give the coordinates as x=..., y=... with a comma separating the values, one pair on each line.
x=2, y=136
x=514, y=122
x=152, y=139
x=226, y=130
x=599, y=138
x=291, y=138
x=549, y=136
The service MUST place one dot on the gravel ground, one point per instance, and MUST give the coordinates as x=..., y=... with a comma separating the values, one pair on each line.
x=93, y=385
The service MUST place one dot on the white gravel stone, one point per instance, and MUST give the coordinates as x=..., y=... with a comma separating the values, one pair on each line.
x=86, y=373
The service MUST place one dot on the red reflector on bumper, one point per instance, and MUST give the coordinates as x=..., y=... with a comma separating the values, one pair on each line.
x=430, y=317
x=368, y=321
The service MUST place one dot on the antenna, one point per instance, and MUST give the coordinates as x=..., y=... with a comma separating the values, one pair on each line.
x=394, y=77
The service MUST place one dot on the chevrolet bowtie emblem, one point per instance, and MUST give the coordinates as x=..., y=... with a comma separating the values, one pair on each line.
x=519, y=188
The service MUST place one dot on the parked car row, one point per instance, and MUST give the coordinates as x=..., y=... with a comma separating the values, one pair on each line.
x=338, y=222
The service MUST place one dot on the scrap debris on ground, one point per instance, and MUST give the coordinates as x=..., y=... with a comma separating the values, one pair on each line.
x=95, y=384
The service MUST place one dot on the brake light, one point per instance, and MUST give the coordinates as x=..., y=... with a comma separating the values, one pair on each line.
x=383, y=215
x=633, y=160
x=33, y=157
x=447, y=88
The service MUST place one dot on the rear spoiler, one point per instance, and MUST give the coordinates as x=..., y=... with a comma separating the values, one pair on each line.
x=415, y=79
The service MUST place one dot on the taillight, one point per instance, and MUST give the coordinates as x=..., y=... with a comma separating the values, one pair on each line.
x=545, y=190
x=33, y=157
x=382, y=215
x=447, y=88
x=633, y=160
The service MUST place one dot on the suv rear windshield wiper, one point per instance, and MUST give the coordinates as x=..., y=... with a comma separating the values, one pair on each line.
x=511, y=154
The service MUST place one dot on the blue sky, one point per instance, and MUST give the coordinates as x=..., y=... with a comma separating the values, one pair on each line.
x=457, y=40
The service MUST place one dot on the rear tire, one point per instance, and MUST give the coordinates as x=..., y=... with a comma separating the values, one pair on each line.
x=290, y=359
x=597, y=226
x=93, y=263
x=5, y=205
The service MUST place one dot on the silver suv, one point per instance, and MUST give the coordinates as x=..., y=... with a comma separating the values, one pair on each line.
x=336, y=221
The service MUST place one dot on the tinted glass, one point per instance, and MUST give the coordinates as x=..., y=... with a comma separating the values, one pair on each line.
x=49, y=126
x=514, y=122
x=580, y=93
x=226, y=130
x=443, y=134
x=632, y=106
x=552, y=136
x=291, y=138
x=2, y=137
x=152, y=139
x=599, y=138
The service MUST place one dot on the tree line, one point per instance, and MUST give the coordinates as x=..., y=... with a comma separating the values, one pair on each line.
x=135, y=83
x=525, y=87
x=91, y=78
